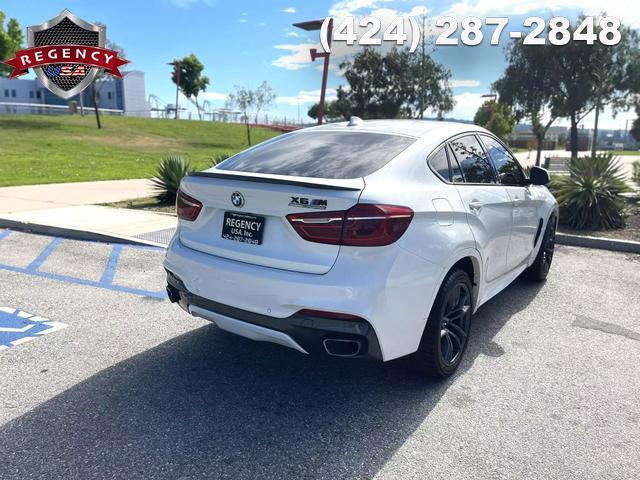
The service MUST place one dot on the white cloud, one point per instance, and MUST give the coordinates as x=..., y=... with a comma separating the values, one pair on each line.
x=288, y=10
x=627, y=11
x=293, y=34
x=345, y=8
x=464, y=83
x=214, y=96
x=298, y=58
x=262, y=24
x=306, y=97
x=243, y=20
x=466, y=105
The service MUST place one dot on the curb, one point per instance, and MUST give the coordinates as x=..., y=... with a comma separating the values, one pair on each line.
x=612, y=244
x=74, y=234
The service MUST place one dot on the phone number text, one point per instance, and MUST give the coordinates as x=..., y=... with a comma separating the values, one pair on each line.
x=471, y=31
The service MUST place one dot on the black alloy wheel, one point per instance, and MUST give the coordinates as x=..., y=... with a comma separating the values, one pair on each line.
x=446, y=334
x=454, y=324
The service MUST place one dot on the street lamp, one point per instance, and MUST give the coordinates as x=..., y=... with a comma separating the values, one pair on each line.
x=311, y=26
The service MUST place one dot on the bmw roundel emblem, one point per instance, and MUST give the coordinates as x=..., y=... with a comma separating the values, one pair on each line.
x=237, y=199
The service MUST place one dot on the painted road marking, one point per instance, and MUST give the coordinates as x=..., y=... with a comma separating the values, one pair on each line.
x=106, y=280
x=17, y=327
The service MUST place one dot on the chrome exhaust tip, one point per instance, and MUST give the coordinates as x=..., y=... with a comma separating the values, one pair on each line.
x=340, y=347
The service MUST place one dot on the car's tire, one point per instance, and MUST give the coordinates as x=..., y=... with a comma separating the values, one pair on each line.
x=445, y=336
x=539, y=269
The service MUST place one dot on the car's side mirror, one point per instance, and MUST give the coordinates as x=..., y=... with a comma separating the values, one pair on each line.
x=539, y=176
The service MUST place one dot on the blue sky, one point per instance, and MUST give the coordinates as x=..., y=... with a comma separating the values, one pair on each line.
x=243, y=42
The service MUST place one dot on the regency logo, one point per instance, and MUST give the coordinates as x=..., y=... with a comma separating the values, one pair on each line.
x=66, y=53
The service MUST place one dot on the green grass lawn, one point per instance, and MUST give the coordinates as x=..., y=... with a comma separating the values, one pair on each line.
x=39, y=149
x=626, y=152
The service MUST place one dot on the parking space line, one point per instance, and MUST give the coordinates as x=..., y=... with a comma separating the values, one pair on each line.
x=40, y=259
x=110, y=269
x=161, y=295
x=105, y=282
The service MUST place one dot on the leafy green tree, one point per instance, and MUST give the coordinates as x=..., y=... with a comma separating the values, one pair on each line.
x=397, y=84
x=589, y=77
x=573, y=76
x=331, y=111
x=11, y=40
x=634, y=86
x=191, y=80
x=250, y=103
x=528, y=89
x=264, y=97
x=616, y=73
x=496, y=117
x=431, y=85
x=635, y=127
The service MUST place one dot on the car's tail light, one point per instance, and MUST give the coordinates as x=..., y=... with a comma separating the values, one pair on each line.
x=363, y=225
x=320, y=227
x=187, y=208
x=374, y=225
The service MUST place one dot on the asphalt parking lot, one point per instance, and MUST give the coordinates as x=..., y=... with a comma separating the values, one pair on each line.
x=102, y=378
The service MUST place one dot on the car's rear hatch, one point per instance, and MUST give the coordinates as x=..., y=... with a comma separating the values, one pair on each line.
x=263, y=201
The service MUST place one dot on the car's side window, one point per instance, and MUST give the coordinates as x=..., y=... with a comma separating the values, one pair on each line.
x=509, y=171
x=440, y=164
x=456, y=172
x=473, y=160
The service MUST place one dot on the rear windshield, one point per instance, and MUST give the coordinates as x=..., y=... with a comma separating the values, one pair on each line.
x=320, y=154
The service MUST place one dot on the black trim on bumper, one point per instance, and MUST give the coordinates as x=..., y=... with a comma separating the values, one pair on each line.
x=308, y=332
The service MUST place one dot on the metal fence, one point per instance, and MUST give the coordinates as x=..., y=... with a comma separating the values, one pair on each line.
x=7, y=108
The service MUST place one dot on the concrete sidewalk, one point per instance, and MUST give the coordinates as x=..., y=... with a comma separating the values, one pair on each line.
x=38, y=197
x=72, y=209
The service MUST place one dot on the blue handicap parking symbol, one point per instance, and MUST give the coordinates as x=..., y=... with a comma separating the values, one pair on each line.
x=17, y=327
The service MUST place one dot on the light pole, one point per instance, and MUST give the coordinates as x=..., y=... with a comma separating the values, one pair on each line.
x=311, y=26
x=176, y=66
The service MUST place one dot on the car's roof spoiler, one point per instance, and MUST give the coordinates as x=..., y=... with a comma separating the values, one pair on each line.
x=323, y=184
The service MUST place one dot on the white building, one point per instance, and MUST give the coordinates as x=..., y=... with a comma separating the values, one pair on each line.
x=127, y=95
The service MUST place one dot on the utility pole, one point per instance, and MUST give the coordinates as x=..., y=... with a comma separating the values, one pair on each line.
x=177, y=69
x=423, y=57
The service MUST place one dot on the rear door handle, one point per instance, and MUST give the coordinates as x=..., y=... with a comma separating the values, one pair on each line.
x=475, y=206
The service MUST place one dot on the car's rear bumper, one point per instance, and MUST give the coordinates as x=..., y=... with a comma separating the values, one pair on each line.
x=301, y=332
x=390, y=289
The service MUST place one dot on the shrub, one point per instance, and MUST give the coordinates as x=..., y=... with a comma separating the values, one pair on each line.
x=635, y=175
x=170, y=172
x=219, y=157
x=589, y=196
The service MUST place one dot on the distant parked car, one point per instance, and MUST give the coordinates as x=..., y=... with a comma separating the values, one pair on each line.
x=367, y=238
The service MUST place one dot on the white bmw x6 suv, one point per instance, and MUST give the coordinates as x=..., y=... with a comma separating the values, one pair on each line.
x=368, y=238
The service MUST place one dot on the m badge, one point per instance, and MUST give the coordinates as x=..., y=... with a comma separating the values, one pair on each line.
x=304, y=202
